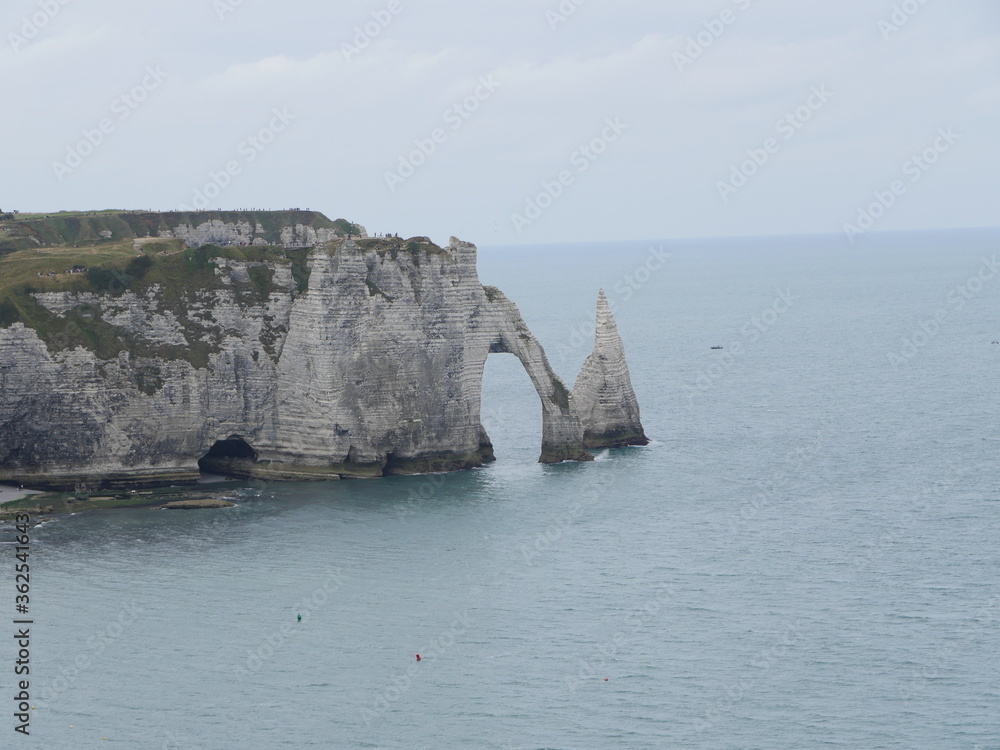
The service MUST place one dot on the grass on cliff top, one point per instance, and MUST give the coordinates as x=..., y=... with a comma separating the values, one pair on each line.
x=177, y=268
x=182, y=276
x=27, y=231
x=394, y=246
x=42, y=215
x=22, y=267
x=282, y=217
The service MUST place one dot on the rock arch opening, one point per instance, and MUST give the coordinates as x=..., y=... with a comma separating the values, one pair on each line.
x=510, y=411
x=233, y=457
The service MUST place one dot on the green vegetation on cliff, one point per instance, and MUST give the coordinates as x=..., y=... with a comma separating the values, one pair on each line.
x=101, y=256
x=92, y=228
x=181, y=279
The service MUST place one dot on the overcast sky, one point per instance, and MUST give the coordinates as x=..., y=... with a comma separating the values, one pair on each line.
x=511, y=121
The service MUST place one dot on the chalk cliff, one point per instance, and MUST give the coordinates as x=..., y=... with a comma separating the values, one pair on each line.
x=357, y=357
x=605, y=401
x=288, y=229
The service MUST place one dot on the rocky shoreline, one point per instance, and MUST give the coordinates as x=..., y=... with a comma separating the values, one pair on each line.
x=168, y=498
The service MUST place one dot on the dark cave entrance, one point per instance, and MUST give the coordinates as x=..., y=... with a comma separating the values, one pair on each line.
x=231, y=456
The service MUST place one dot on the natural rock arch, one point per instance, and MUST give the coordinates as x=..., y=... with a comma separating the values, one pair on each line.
x=562, y=433
x=368, y=361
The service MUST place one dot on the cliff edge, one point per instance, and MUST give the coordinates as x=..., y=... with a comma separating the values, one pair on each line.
x=133, y=365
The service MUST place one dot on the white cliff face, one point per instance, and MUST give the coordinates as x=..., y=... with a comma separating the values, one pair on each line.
x=291, y=228
x=375, y=367
x=217, y=232
x=603, y=394
x=562, y=433
x=378, y=346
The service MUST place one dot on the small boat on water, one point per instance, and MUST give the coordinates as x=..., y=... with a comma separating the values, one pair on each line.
x=717, y=347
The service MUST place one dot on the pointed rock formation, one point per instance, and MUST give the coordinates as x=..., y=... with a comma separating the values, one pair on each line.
x=360, y=357
x=603, y=395
x=562, y=433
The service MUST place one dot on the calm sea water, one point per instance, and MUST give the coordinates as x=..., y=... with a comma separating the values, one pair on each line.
x=806, y=556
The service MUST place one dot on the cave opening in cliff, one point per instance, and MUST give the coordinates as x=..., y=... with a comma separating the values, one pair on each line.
x=228, y=456
x=510, y=411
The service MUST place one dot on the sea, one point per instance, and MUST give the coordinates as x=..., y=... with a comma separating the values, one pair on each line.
x=806, y=555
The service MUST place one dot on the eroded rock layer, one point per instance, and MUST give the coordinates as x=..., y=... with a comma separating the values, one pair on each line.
x=358, y=358
x=603, y=394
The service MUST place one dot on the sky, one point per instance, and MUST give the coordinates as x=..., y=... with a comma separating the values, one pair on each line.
x=511, y=121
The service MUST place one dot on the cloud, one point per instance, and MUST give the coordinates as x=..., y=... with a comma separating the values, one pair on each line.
x=49, y=47
x=358, y=114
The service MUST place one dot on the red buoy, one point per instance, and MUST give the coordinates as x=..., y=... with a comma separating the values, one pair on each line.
x=418, y=657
